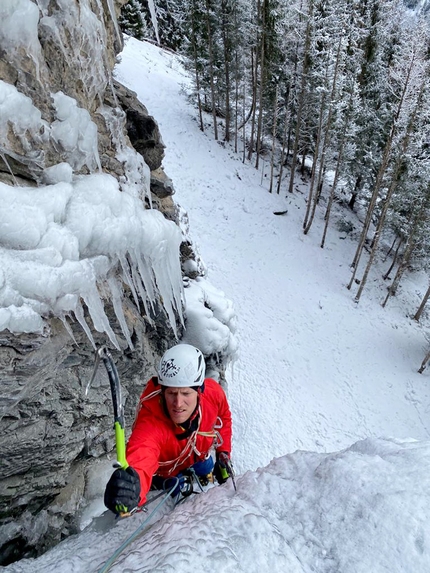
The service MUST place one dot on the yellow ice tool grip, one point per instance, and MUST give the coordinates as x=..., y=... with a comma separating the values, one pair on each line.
x=224, y=473
x=120, y=445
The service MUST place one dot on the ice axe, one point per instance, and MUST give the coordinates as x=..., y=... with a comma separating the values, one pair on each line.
x=226, y=468
x=118, y=410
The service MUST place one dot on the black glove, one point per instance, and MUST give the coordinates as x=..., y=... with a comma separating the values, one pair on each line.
x=222, y=469
x=122, y=492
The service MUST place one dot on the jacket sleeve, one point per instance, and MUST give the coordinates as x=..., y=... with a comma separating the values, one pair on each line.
x=224, y=414
x=143, y=454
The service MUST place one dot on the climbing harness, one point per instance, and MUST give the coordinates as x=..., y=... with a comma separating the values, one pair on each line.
x=190, y=446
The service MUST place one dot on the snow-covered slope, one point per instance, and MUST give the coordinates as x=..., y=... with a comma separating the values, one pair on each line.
x=358, y=511
x=315, y=370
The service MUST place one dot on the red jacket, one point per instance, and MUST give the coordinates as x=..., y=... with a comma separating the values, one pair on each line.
x=154, y=448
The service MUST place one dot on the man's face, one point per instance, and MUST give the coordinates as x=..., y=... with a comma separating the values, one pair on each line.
x=180, y=403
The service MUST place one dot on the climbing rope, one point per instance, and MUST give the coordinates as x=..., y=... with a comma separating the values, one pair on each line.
x=165, y=496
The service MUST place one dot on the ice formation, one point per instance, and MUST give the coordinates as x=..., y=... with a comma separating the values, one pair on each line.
x=80, y=35
x=17, y=109
x=18, y=29
x=75, y=132
x=75, y=239
x=154, y=19
x=59, y=243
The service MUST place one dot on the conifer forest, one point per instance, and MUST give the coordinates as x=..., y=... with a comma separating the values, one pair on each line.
x=337, y=91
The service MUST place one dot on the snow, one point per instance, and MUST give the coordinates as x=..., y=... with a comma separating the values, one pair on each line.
x=211, y=319
x=359, y=510
x=331, y=439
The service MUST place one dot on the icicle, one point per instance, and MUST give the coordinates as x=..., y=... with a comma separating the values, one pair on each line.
x=6, y=162
x=117, y=305
x=164, y=273
x=127, y=278
x=77, y=234
x=149, y=309
x=143, y=293
x=146, y=278
x=95, y=308
x=79, y=313
x=154, y=19
x=114, y=20
x=68, y=329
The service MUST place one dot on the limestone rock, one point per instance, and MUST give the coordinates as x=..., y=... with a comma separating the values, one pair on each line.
x=50, y=432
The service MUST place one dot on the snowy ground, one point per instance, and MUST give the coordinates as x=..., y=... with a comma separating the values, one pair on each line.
x=315, y=372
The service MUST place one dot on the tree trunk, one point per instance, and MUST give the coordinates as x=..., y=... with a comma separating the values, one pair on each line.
x=284, y=140
x=396, y=254
x=395, y=176
x=410, y=246
x=196, y=72
x=327, y=135
x=262, y=82
x=424, y=363
x=236, y=88
x=254, y=102
x=306, y=227
x=226, y=41
x=306, y=63
x=211, y=68
x=419, y=312
x=275, y=119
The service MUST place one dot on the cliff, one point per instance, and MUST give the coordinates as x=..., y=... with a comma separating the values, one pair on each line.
x=90, y=248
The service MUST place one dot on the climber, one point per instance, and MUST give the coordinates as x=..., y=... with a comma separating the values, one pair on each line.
x=182, y=418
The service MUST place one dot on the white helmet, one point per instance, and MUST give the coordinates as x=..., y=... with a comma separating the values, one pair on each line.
x=182, y=366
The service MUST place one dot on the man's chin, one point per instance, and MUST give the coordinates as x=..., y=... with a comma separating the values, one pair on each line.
x=178, y=419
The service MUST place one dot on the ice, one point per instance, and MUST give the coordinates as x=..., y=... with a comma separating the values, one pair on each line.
x=62, y=172
x=137, y=177
x=53, y=259
x=64, y=243
x=18, y=113
x=20, y=319
x=360, y=510
x=80, y=35
x=154, y=19
x=111, y=8
x=20, y=20
x=117, y=294
x=76, y=133
x=73, y=131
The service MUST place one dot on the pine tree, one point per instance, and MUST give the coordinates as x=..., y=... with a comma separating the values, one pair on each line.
x=132, y=20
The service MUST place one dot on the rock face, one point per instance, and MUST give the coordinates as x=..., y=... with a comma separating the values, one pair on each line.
x=50, y=432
